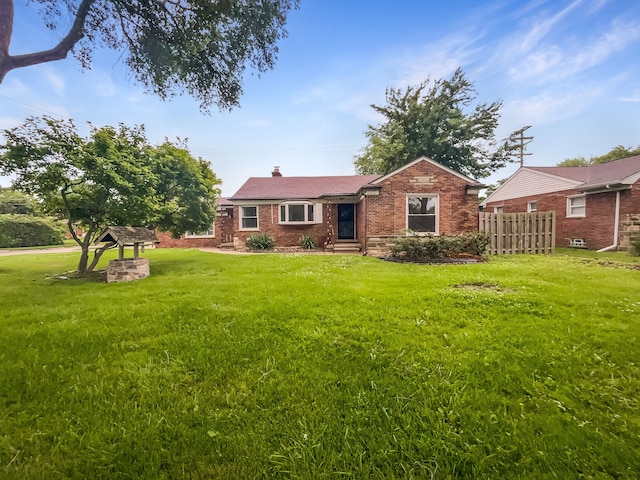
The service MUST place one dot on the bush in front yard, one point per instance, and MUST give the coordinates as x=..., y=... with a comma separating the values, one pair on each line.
x=634, y=247
x=307, y=242
x=475, y=243
x=416, y=247
x=29, y=231
x=260, y=241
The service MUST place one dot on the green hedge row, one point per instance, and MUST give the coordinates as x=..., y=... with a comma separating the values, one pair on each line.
x=416, y=247
x=29, y=231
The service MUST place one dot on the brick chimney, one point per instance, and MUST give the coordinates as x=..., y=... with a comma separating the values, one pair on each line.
x=276, y=172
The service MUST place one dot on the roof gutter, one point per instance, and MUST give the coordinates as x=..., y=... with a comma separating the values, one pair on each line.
x=606, y=187
x=616, y=226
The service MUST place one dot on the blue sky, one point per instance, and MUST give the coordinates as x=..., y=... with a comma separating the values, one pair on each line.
x=569, y=69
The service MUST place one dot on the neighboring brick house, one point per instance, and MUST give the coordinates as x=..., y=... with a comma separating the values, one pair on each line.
x=593, y=204
x=358, y=212
x=220, y=233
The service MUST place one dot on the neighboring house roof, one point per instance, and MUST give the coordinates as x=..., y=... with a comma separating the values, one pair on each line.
x=224, y=202
x=528, y=181
x=295, y=188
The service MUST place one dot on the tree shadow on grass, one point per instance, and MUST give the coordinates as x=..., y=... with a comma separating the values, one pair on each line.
x=97, y=276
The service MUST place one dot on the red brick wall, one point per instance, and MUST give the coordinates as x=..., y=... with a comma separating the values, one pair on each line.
x=283, y=235
x=596, y=228
x=223, y=231
x=387, y=212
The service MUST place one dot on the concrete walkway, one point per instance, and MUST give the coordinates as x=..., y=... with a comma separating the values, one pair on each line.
x=5, y=252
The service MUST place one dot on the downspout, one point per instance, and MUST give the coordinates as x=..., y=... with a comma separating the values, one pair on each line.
x=616, y=226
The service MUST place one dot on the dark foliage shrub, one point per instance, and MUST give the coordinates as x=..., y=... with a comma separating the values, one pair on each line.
x=260, y=241
x=634, y=248
x=307, y=242
x=29, y=231
x=417, y=247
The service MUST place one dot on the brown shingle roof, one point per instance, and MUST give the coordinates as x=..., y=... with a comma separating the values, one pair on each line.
x=294, y=188
x=127, y=235
x=595, y=175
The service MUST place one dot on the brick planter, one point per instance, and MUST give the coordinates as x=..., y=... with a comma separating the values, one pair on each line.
x=127, y=270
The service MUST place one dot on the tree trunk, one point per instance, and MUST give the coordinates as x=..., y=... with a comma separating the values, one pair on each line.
x=84, y=245
x=84, y=260
x=96, y=257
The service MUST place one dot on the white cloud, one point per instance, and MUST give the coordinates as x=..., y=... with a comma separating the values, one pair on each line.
x=55, y=81
x=54, y=110
x=554, y=46
x=618, y=38
x=102, y=83
x=596, y=6
x=325, y=90
x=353, y=94
x=555, y=62
x=440, y=58
x=541, y=29
x=13, y=87
x=548, y=106
x=9, y=122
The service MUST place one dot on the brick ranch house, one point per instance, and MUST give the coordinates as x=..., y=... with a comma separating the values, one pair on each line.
x=358, y=213
x=597, y=206
x=219, y=235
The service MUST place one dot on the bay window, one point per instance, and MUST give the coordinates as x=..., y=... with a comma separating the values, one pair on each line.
x=300, y=213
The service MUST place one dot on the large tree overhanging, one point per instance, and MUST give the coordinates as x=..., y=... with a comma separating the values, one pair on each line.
x=436, y=119
x=199, y=46
x=112, y=177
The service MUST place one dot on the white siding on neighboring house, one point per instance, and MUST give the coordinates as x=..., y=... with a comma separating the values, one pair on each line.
x=526, y=183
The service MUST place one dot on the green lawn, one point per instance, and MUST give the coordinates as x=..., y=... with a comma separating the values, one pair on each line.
x=262, y=366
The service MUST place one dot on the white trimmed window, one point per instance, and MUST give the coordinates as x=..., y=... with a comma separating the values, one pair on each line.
x=211, y=233
x=577, y=206
x=532, y=206
x=422, y=213
x=300, y=213
x=497, y=209
x=249, y=217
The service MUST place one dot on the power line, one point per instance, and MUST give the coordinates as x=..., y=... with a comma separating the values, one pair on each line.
x=31, y=107
x=523, y=142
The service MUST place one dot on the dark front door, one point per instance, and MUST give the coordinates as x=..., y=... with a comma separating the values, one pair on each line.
x=346, y=221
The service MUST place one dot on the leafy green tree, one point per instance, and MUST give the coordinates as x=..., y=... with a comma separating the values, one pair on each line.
x=199, y=46
x=617, y=153
x=574, y=162
x=436, y=119
x=112, y=177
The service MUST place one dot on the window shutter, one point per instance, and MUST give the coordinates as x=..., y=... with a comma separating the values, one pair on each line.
x=317, y=213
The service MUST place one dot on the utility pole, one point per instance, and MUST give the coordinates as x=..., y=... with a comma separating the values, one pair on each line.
x=518, y=136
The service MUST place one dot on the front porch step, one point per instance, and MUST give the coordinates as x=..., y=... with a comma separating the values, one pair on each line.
x=227, y=245
x=347, y=247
